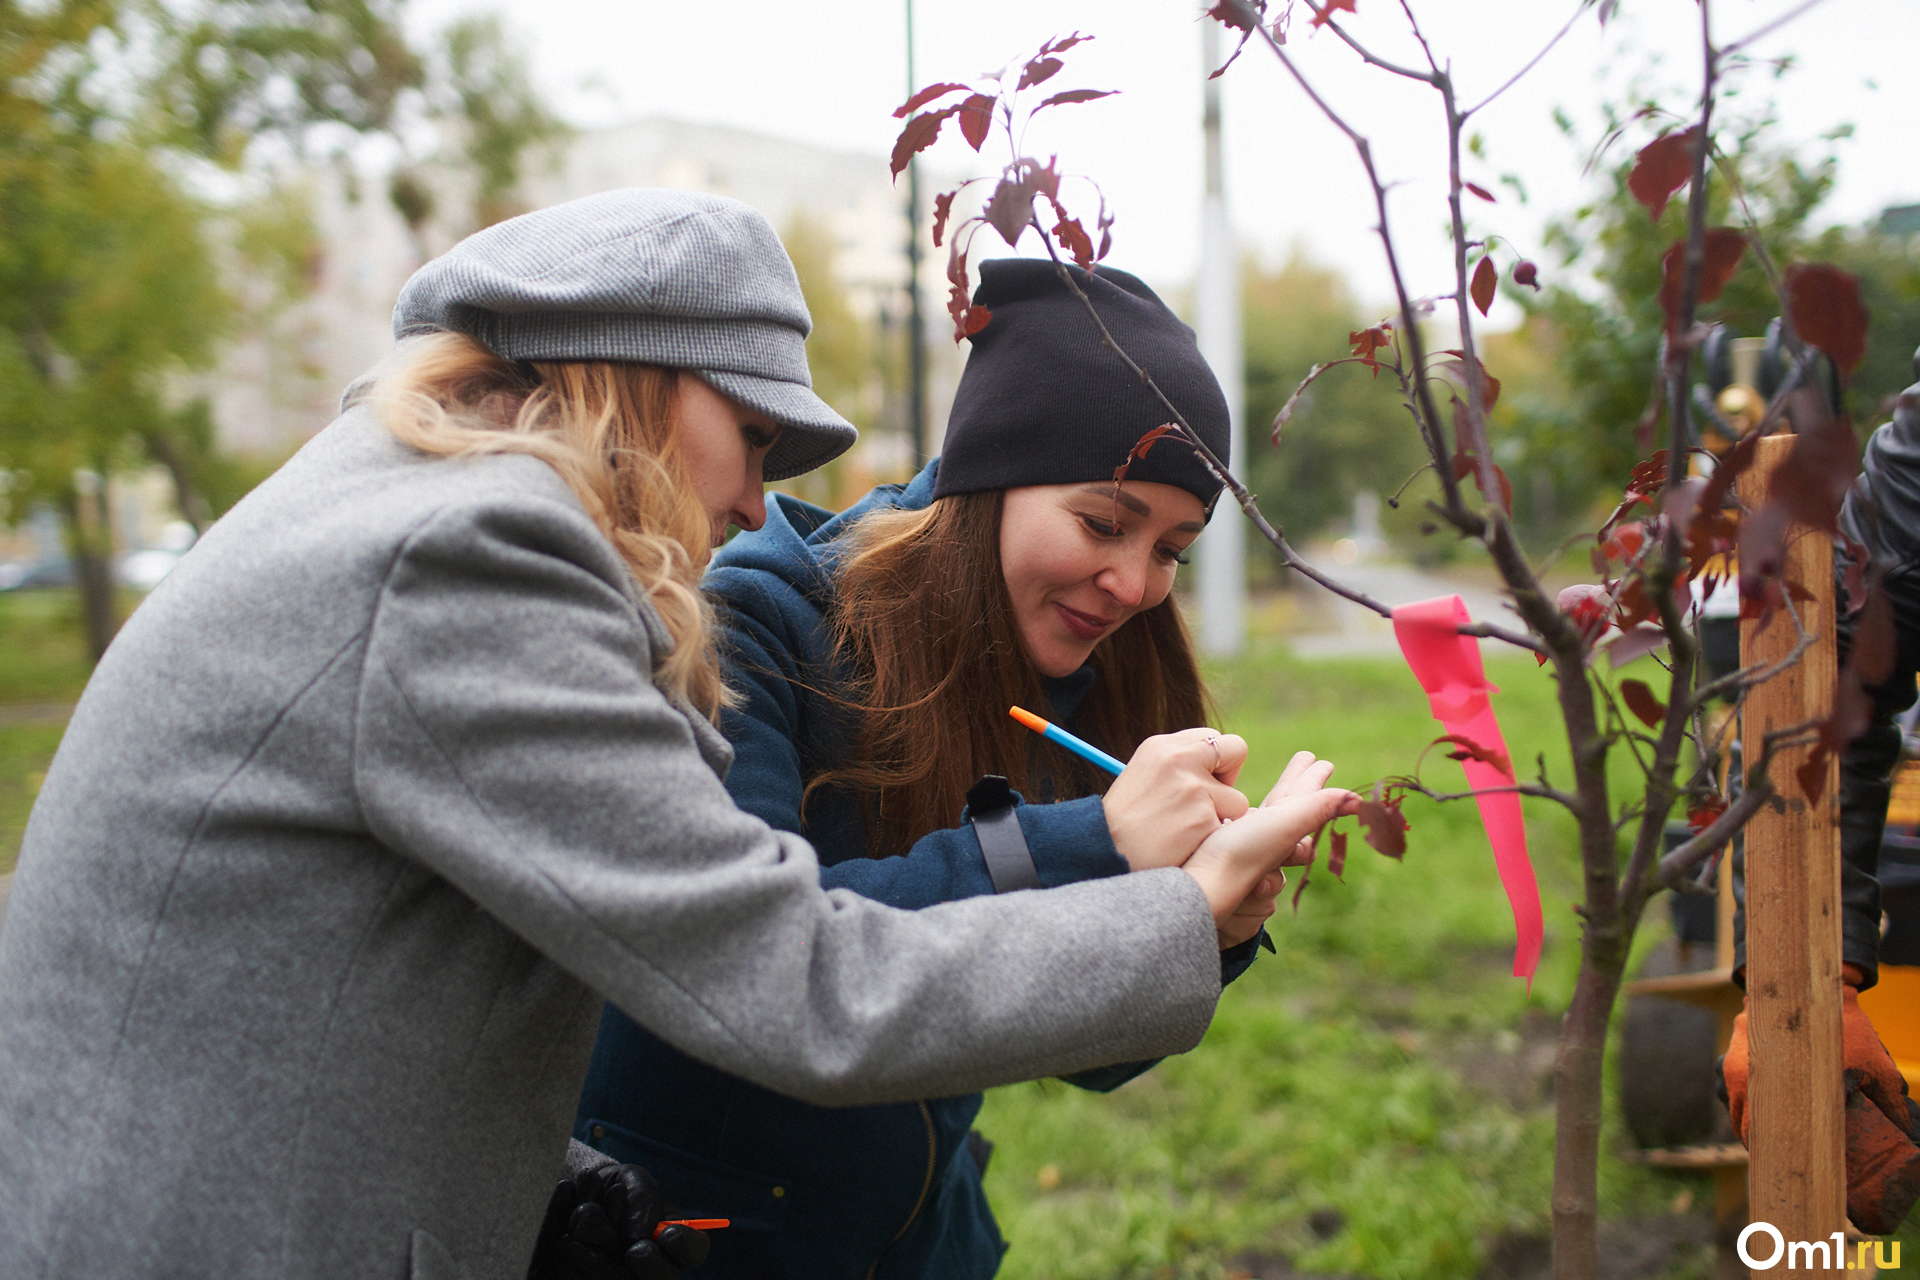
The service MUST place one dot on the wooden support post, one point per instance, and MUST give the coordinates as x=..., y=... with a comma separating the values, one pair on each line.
x=1796, y=1134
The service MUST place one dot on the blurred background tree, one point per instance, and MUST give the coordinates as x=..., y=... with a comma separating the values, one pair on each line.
x=146, y=218
x=1577, y=366
x=1348, y=434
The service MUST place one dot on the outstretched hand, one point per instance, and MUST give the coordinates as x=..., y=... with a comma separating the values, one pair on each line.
x=1231, y=864
x=1304, y=776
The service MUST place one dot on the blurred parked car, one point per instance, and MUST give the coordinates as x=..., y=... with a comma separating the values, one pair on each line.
x=40, y=573
x=142, y=569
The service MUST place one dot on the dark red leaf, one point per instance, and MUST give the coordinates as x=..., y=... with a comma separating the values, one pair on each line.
x=1586, y=606
x=1506, y=488
x=1721, y=252
x=1386, y=826
x=1010, y=209
x=1227, y=12
x=1139, y=450
x=1077, y=95
x=1661, y=168
x=1702, y=813
x=967, y=318
x=1624, y=543
x=922, y=98
x=976, y=118
x=1367, y=341
x=1648, y=474
x=942, y=209
x=1813, y=774
x=1038, y=71
x=1731, y=468
x=1827, y=312
x=1072, y=237
x=1711, y=533
x=1484, y=280
x=1063, y=43
x=1471, y=750
x=1763, y=540
x=1489, y=385
x=1324, y=15
x=1818, y=470
x=1152, y=438
x=1636, y=642
x=1526, y=273
x=1640, y=700
x=1337, y=853
x=918, y=136
x=1852, y=713
x=1480, y=191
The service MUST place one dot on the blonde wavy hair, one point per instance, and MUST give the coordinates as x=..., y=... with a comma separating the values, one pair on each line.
x=607, y=428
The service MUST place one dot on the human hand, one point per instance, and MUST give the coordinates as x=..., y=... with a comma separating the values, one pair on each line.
x=1254, y=909
x=600, y=1225
x=1305, y=774
x=1230, y=863
x=1173, y=794
x=1883, y=1160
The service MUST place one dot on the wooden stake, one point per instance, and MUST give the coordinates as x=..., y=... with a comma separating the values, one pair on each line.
x=1796, y=1097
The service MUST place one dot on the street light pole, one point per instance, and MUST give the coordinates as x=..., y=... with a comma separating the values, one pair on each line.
x=916, y=338
x=1222, y=550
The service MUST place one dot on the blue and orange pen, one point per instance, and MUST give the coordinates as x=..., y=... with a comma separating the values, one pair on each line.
x=1054, y=733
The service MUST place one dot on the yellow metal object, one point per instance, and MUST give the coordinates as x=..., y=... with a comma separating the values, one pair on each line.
x=1904, y=809
x=1894, y=1006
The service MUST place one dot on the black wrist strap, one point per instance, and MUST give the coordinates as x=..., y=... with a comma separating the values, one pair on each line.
x=1002, y=843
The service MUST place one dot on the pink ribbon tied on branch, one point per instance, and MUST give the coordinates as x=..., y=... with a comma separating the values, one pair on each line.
x=1448, y=666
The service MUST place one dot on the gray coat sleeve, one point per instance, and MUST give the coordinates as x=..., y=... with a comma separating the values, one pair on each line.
x=510, y=738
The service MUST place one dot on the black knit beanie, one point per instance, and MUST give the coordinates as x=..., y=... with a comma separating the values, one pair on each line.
x=1043, y=401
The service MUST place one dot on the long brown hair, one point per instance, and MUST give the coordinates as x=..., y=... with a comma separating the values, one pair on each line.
x=607, y=428
x=924, y=622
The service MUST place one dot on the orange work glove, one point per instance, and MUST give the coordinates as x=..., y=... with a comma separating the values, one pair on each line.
x=1883, y=1162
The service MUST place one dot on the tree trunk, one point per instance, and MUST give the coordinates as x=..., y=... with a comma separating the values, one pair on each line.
x=91, y=545
x=1578, y=1101
x=186, y=494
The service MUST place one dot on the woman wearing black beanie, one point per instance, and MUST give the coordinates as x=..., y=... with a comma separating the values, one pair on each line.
x=877, y=652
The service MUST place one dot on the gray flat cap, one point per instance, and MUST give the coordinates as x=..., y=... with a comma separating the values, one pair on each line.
x=675, y=278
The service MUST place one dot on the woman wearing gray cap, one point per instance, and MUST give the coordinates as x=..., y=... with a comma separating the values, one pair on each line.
x=878, y=651
x=410, y=761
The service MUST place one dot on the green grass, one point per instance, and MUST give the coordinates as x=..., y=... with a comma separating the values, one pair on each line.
x=1381, y=1072
x=43, y=664
x=42, y=655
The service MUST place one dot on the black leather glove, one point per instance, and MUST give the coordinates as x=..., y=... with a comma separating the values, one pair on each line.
x=600, y=1226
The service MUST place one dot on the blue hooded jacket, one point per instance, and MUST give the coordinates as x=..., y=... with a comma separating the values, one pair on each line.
x=889, y=1192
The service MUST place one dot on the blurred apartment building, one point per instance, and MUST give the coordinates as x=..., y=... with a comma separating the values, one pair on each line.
x=277, y=388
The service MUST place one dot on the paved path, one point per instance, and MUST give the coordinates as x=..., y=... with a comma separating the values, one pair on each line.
x=1346, y=629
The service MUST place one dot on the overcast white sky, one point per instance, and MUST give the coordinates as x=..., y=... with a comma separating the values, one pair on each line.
x=831, y=71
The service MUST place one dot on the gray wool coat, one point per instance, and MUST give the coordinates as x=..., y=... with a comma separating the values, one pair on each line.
x=364, y=809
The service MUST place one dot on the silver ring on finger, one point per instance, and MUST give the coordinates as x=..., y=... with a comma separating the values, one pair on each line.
x=1214, y=742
